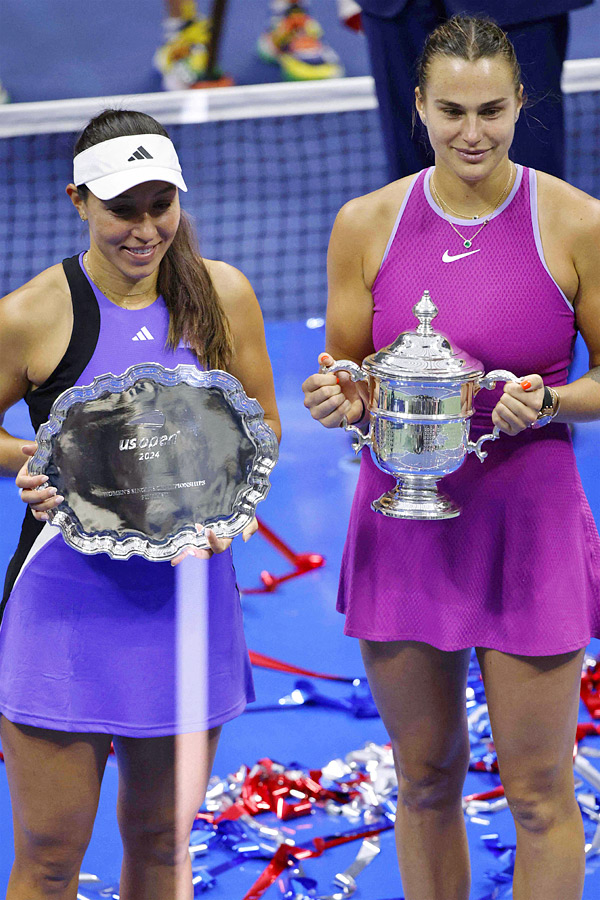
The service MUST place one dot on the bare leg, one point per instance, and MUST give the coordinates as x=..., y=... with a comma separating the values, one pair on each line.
x=54, y=780
x=162, y=782
x=420, y=694
x=533, y=704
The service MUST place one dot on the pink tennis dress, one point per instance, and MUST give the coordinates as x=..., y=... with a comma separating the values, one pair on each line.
x=519, y=569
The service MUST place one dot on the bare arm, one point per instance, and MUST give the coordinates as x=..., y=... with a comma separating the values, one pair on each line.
x=574, y=259
x=580, y=400
x=14, y=381
x=35, y=328
x=349, y=313
x=349, y=302
x=250, y=362
x=11, y=454
x=19, y=336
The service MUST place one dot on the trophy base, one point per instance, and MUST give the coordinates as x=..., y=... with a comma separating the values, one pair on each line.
x=416, y=501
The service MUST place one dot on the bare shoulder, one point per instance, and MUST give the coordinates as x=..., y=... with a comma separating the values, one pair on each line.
x=573, y=213
x=35, y=325
x=362, y=229
x=235, y=291
x=377, y=208
x=226, y=278
x=35, y=306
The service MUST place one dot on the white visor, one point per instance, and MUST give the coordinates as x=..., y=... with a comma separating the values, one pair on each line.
x=114, y=166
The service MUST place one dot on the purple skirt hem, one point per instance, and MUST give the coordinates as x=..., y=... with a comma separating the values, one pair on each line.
x=20, y=718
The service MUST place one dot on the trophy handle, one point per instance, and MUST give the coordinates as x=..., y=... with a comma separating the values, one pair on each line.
x=489, y=383
x=345, y=365
x=359, y=438
x=476, y=447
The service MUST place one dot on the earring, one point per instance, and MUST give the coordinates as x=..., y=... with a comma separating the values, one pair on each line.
x=82, y=217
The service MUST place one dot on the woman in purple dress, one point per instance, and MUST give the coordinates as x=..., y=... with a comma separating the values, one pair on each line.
x=511, y=257
x=92, y=650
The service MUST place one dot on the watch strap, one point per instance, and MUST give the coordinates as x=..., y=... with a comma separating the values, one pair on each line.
x=549, y=408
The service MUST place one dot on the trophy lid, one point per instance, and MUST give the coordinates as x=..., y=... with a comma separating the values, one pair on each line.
x=423, y=354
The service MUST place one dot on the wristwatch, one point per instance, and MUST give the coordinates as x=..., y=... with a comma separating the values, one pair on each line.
x=550, y=407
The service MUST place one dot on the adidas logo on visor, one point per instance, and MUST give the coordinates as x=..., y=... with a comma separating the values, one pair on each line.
x=140, y=153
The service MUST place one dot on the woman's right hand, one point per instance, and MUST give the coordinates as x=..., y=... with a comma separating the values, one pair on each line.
x=331, y=397
x=39, y=501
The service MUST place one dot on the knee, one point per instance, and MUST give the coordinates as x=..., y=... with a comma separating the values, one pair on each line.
x=429, y=784
x=533, y=813
x=50, y=863
x=156, y=840
x=540, y=800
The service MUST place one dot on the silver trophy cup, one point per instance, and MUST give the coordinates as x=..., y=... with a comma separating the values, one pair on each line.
x=421, y=393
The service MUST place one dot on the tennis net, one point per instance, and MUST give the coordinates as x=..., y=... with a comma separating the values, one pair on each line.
x=268, y=167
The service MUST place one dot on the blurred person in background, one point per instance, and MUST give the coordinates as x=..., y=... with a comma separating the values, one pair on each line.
x=293, y=40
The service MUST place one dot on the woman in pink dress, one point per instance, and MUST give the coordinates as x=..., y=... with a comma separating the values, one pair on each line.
x=511, y=258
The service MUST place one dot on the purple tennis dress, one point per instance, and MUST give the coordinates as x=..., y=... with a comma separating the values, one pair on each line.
x=519, y=569
x=91, y=644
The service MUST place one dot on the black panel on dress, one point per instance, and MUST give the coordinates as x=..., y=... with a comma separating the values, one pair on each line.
x=29, y=532
x=84, y=338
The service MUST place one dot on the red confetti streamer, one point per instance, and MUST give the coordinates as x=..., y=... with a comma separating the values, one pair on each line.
x=269, y=787
x=269, y=662
x=286, y=854
x=485, y=795
x=590, y=689
x=302, y=562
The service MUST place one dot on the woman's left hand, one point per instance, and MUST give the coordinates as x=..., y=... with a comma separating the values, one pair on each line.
x=519, y=405
x=216, y=545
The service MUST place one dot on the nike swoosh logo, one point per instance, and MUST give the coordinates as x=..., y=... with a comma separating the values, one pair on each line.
x=447, y=258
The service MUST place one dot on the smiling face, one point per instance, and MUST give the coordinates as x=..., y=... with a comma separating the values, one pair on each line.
x=130, y=234
x=469, y=109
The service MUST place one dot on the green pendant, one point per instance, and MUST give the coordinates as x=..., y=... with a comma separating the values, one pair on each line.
x=467, y=244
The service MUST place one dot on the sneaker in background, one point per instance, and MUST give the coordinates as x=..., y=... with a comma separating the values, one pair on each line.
x=350, y=14
x=294, y=40
x=183, y=58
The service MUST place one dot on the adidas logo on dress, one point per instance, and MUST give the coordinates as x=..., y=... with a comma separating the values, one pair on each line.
x=140, y=153
x=143, y=335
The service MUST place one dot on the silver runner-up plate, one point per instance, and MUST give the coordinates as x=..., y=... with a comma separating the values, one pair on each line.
x=143, y=457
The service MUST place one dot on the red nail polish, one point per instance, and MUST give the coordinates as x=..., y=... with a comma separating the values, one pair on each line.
x=525, y=385
x=337, y=379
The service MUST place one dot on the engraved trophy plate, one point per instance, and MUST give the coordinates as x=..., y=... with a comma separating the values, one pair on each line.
x=141, y=457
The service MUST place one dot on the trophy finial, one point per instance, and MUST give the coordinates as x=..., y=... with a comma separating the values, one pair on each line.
x=425, y=310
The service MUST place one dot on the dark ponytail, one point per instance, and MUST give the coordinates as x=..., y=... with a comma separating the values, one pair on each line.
x=196, y=315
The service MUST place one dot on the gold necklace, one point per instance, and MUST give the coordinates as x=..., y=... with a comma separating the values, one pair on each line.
x=491, y=206
x=468, y=242
x=113, y=294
